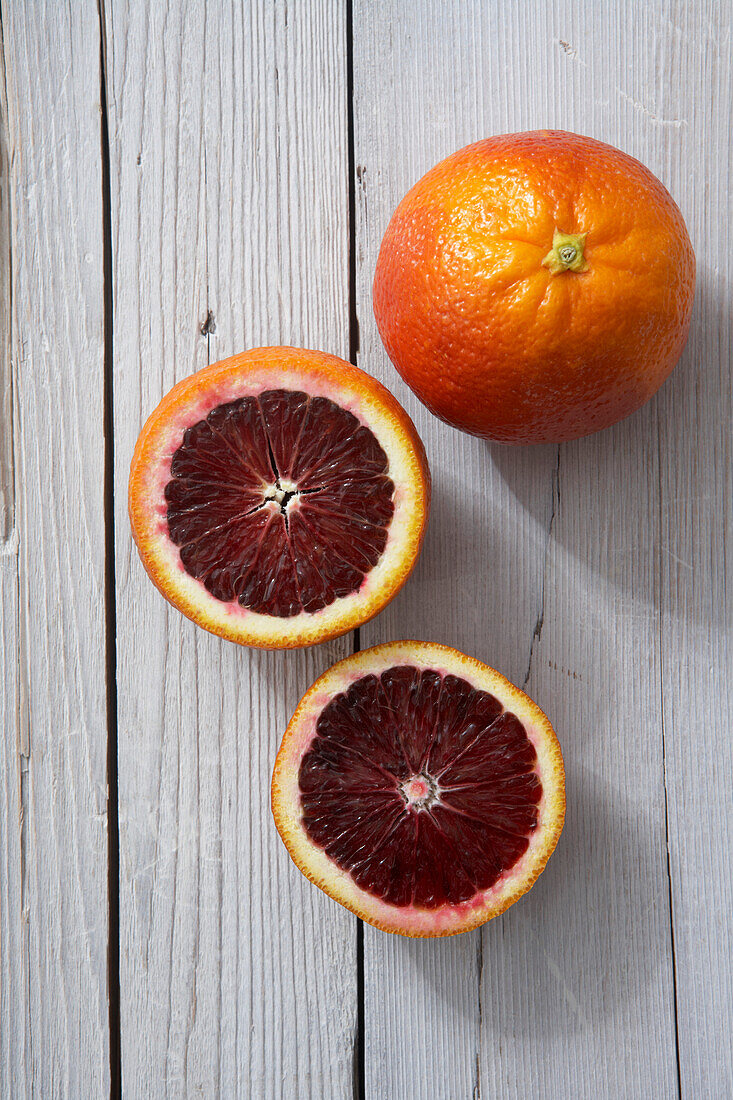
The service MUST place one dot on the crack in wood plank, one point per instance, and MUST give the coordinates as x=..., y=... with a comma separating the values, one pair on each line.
x=537, y=632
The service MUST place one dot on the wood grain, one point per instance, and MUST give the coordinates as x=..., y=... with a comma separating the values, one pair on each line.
x=554, y=565
x=229, y=202
x=53, y=796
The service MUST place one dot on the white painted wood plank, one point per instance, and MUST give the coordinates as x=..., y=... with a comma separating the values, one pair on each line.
x=572, y=542
x=53, y=796
x=14, y=1003
x=229, y=195
x=696, y=543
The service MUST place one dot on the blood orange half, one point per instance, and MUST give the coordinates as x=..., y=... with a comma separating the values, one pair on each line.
x=279, y=498
x=419, y=788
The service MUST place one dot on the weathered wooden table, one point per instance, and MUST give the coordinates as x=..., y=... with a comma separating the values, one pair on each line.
x=183, y=180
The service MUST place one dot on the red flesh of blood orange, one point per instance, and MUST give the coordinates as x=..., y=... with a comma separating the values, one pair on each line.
x=419, y=788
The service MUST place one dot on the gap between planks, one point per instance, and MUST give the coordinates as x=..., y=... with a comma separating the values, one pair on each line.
x=110, y=599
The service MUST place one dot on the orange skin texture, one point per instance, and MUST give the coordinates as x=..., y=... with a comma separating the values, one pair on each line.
x=486, y=336
x=293, y=367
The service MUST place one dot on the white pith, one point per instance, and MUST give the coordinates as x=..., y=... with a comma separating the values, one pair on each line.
x=336, y=882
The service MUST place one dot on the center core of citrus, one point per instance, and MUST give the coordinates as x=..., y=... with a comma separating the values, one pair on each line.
x=283, y=493
x=420, y=792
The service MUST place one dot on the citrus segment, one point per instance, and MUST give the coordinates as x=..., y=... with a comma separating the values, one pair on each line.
x=419, y=788
x=279, y=498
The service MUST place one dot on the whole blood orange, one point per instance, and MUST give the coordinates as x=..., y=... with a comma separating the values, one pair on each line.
x=536, y=287
x=419, y=788
x=279, y=498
